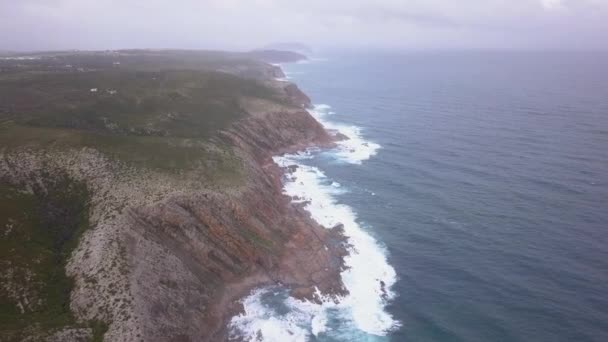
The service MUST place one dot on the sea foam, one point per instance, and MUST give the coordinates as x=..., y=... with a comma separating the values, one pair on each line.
x=353, y=150
x=360, y=315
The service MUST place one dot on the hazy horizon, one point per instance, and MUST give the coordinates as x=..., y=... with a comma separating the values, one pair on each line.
x=242, y=25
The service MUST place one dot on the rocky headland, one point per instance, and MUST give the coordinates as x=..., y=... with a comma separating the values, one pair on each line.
x=164, y=221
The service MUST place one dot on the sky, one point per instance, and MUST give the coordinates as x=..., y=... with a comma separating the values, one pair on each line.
x=249, y=24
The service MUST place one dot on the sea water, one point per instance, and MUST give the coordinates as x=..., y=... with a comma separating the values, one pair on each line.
x=473, y=190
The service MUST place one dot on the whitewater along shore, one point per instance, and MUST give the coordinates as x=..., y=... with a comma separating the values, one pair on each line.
x=165, y=256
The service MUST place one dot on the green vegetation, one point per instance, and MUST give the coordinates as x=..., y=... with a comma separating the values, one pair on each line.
x=39, y=232
x=99, y=329
x=168, y=103
x=167, y=154
x=159, y=110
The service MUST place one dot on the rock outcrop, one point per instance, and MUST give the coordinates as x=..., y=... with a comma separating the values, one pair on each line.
x=195, y=254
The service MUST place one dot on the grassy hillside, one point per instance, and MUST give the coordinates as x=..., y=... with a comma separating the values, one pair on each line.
x=146, y=109
x=41, y=229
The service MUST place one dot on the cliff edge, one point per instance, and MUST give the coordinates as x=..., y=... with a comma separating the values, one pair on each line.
x=140, y=201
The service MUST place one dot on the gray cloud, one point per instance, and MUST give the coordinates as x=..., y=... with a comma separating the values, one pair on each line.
x=245, y=24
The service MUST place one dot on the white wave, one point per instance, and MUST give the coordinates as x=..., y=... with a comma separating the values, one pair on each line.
x=262, y=322
x=367, y=267
x=353, y=150
x=368, y=276
x=20, y=58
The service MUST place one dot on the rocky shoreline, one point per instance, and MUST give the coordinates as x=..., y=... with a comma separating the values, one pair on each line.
x=167, y=256
x=313, y=256
x=306, y=256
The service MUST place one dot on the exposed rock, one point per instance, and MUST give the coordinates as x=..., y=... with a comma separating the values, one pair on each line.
x=296, y=96
x=341, y=137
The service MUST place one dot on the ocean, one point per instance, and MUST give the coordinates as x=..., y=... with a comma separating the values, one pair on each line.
x=473, y=189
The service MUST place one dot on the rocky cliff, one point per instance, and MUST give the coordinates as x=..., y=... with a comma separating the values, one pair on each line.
x=195, y=253
x=166, y=255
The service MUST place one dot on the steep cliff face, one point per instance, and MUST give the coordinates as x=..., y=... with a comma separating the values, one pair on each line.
x=167, y=254
x=193, y=255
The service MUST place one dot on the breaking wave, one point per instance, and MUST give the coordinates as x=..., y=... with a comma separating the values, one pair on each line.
x=270, y=314
x=354, y=149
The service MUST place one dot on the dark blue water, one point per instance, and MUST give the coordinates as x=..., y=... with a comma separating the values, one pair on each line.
x=491, y=187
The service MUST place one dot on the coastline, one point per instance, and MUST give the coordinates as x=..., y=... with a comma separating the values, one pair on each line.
x=366, y=275
x=166, y=255
x=285, y=245
x=230, y=304
x=329, y=246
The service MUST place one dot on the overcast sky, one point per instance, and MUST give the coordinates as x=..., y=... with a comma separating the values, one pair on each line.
x=246, y=24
